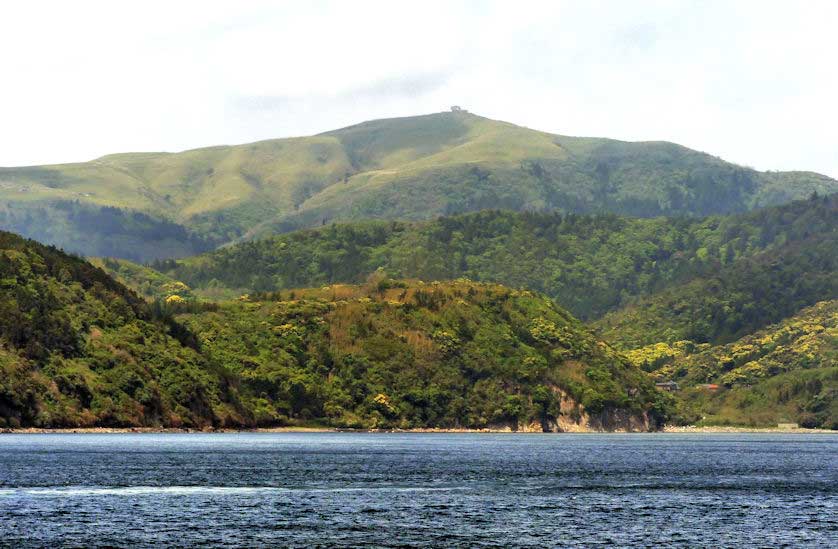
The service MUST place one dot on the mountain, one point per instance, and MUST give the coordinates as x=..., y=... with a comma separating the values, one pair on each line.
x=787, y=372
x=143, y=206
x=591, y=264
x=77, y=348
x=420, y=167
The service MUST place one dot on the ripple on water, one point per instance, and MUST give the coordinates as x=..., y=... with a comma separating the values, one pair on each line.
x=416, y=490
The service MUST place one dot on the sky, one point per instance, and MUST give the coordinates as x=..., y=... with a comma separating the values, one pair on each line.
x=752, y=82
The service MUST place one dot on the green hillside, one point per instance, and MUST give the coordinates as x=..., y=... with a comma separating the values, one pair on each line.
x=152, y=285
x=787, y=372
x=406, y=168
x=589, y=264
x=77, y=348
x=406, y=354
x=738, y=298
x=102, y=230
x=452, y=162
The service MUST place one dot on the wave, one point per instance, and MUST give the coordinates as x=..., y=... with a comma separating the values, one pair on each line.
x=74, y=491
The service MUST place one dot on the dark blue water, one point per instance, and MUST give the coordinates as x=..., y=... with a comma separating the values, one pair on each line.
x=418, y=490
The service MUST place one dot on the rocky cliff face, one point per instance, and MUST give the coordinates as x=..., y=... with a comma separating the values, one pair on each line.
x=573, y=418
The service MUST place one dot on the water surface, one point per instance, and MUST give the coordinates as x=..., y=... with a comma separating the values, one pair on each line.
x=352, y=489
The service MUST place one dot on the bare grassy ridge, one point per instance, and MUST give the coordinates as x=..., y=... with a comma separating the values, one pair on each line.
x=406, y=168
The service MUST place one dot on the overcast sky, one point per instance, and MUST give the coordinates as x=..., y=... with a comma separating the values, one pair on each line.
x=753, y=82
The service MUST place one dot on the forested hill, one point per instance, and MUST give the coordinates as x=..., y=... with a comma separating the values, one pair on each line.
x=406, y=354
x=787, y=372
x=89, y=229
x=159, y=205
x=589, y=264
x=78, y=349
x=736, y=300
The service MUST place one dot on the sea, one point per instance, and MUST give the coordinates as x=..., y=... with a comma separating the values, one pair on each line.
x=418, y=490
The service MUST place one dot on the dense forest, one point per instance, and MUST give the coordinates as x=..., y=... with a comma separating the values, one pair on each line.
x=406, y=354
x=589, y=264
x=736, y=300
x=77, y=348
x=675, y=292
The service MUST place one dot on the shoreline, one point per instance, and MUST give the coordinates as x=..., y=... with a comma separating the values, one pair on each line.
x=687, y=429
x=730, y=429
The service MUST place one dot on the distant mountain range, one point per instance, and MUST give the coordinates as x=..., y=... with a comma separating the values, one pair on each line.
x=143, y=206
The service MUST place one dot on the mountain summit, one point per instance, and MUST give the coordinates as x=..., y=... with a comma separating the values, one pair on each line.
x=154, y=205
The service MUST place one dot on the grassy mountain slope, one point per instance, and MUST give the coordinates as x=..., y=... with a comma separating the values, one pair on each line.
x=77, y=348
x=589, y=264
x=490, y=164
x=405, y=168
x=787, y=372
x=205, y=196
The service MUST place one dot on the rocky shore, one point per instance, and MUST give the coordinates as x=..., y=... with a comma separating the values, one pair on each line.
x=666, y=430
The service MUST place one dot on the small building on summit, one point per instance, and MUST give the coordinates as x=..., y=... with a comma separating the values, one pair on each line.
x=457, y=108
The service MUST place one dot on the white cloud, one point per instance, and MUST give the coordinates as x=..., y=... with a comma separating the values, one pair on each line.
x=753, y=82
